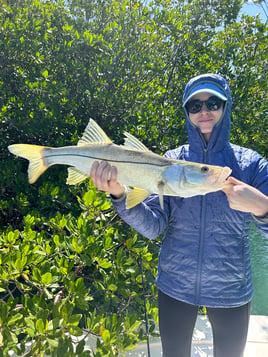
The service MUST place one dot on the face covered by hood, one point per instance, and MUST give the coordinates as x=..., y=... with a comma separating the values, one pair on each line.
x=221, y=131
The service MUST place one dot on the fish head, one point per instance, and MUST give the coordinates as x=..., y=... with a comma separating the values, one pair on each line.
x=189, y=179
x=201, y=174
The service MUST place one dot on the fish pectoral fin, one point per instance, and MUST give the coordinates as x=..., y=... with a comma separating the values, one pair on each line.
x=94, y=134
x=160, y=186
x=75, y=176
x=136, y=196
x=133, y=143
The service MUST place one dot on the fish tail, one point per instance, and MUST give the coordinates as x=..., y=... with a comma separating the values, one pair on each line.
x=34, y=154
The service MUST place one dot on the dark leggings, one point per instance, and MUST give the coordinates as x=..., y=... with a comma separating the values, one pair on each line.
x=177, y=320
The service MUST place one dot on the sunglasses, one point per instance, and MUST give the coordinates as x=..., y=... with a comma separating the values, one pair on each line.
x=213, y=103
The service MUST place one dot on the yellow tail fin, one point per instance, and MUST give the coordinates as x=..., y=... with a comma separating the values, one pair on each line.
x=34, y=154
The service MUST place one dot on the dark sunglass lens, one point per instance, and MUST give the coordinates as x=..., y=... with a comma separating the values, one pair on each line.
x=214, y=103
x=194, y=106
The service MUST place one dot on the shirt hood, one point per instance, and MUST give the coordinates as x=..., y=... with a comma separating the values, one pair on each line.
x=221, y=131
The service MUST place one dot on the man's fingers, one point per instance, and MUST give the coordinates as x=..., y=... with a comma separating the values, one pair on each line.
x=227, y=188
x=99, y=176
x=233, y=181
x=106, y=173
x=104, y=177
x=101, y=173
x=229, y=185
x=93, y=171
x=113, y=174
x=100, y=169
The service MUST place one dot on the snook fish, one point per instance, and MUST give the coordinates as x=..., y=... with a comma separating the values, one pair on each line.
x=136, y=165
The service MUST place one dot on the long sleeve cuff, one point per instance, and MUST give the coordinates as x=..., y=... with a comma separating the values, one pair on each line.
x=121, y=198
x=262, y=220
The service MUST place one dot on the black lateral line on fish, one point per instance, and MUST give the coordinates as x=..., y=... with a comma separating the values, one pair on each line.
x=105, y=159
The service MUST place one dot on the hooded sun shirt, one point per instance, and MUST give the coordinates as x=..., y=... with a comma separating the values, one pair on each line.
x=204, y=258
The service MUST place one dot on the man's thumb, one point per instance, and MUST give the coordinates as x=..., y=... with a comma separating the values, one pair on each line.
x=233, y=181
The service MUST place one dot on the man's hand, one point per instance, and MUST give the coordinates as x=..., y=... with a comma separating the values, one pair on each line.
x=245, y=198
x=104, y=177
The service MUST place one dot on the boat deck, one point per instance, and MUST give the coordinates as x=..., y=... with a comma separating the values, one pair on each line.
x=257, y=341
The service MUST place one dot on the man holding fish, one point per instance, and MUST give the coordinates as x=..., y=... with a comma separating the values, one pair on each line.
x=204, y=259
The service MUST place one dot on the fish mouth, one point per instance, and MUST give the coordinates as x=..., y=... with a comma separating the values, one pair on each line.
x=221, y=177
x=225, y=173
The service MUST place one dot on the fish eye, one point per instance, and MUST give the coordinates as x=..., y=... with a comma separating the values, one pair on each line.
x=204, y=169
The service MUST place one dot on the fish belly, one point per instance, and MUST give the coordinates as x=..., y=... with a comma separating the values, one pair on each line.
x=141, y=176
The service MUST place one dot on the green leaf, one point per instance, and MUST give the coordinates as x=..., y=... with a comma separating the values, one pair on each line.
x=75, y=330
x=46, y=278
x=78, y=248
x=12, y=237
x=112, y=287
x=1, y=339
x=106, y=336
x=103, y=263
x=108, y=242
x=14, y=318
x=74, y=319
x=89, y=198
x=20, y=263
x=3, y=312
x=30, y=323
x=45, y=74
x=79, y=284
x=36, y=274
x=40, y=327
x=53, y=342
x=80, y=347
x=63, y=222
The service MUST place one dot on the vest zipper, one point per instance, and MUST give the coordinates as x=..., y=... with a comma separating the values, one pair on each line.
x=201, y=240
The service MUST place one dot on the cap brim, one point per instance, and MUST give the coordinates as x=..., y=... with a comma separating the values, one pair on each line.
x=206, y=88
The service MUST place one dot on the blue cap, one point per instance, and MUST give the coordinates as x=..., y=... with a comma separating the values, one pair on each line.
x=207, y=88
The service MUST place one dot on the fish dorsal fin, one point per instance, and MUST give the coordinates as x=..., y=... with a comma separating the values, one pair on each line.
x=136, y=196
x=133, y=143
x=94, y=134
x=75, y=176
